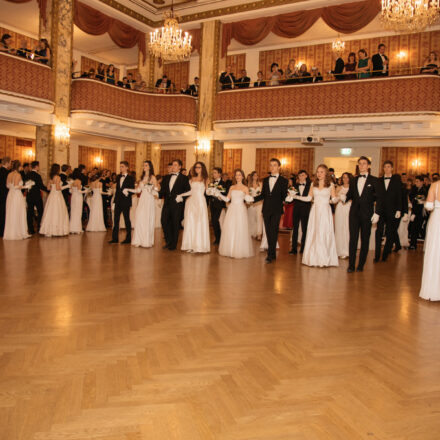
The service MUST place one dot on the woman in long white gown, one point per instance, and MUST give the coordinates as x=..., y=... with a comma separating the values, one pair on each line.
x=15, y=220
x=236, y=240
x=342, y=232
x=145, y=218
x=430, y=289
x=96, y=218
x=255, y=215
x=196, y=221
x=76, y=204
x=320, y=247
x=55, y=222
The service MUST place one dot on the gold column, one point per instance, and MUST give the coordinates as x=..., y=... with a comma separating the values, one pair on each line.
x=209, y=62
x=146, y=69
x=53, y=142
x=216, y=154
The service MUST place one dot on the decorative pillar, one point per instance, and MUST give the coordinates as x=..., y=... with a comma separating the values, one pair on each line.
x=53, y=141
x=216, y=154
x=146, y=69
x=209, y=61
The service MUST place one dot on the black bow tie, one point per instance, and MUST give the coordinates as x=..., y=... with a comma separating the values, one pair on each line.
x=273, y=177
x=387, y=178
x=301, y=184
x=175, y=174
x=363, y=175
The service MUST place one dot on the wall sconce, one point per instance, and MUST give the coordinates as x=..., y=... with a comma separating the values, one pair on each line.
x=62, y=132
x=203, y=146
x=402, y=55
x=416, y=163
x=98, y=160
x=283, y=162
x=30, y=154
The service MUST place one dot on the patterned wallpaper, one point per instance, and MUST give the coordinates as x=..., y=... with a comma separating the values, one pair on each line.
x=232, y=160
x=417, y=47
x=413, y=160
x=17, y=39
x=237, y=63
x=97, y=157
x=178, y=73
x=292, y=160
x=17, y=148
x=130, y=157
x=167, y=156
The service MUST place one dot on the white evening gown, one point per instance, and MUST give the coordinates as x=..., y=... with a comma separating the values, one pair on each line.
x=403, y=231
x=145, y=218
x=320, y=248
x=134, y=204
x=255, y=215
x=15, y=221
x=430, y=289
x=158, y=204
x=236, y=240
x=342, y=231
x=196, y=221
x=96, y=219
x=76, y=208
x=55, y=222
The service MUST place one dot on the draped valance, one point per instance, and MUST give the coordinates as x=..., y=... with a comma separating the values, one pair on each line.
x=346, y=19
x=42, y=4
x=94, y=22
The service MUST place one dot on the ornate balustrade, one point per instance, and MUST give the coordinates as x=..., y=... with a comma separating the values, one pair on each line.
x=395, y=95
x=25, y=78
x=107, y=100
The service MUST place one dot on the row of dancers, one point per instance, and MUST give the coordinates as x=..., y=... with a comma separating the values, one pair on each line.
x=360, y=202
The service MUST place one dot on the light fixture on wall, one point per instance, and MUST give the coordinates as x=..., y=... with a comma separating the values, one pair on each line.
x=283, y=162
x=346, y=151
x=416, y=163
x=168, y=43
x=30, y=154
x=338, y=46
x=98, y=160
x=62, y=132
x=203, y=146
x=410, y=15
x=402, y=55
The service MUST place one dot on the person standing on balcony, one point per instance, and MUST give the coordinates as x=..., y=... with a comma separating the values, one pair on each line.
x=163, y=84
x=6, y=44
x=292, y=72
x=350, y=67
x=380, y=62
x=260, y=80
x=275, y=75
x=194, y=88
x=227, y=79
x=364, y=65
x=244, y=81
x=110, y=74
x=42, y=52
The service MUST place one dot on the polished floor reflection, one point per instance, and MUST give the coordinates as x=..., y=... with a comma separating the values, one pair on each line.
x=117, y=343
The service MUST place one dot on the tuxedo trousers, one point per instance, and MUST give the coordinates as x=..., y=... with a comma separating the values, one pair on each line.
x=359, y=223
x=272, y=225
x=172, y=214
x=32, y=204
x=2, y=216
x=215, y=220
x=387, y=223
x=125, y=211
x=301, y=212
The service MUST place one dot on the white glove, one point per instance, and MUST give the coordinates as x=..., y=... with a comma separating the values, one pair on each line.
x=375, y=218
x=420, y=201
x=67, y=185
x=429, y=206
x=335, y=200
x=29, y=184
x=398, y=214
x=413, y=217
x=210, y=191
x=179, y=199
x=304, y=198
x=248, y=199
x=125, y=192
x=289, y=198
x=343, y=198
x=405, y=217
x=223, y=198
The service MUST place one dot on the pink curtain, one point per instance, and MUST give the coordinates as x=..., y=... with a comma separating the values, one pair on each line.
x=346, y=19
x=93, y=22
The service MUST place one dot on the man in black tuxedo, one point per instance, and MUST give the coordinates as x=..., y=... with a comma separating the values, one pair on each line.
x=63, y=177
x=301, y=211
x=260, y=80
x=364, y=191
x=123, y=203
x=244, y=81
x=417, y=196
x=106, y=199
x=25, y=171
x=194, y=88
x=4, y=171
x=338, y=70
x=227, y=79
x=34, y=199
x=173, y=185
x=273, y=194
x=163, y=84
x=216, y=205
x=392, y=211
x=380, y=62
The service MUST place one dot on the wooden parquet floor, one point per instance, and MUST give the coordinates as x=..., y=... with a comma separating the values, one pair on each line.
x=119, y=343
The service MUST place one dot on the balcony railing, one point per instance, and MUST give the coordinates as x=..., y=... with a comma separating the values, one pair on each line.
x=25, y=77
x=393, y=95
x=104, y=99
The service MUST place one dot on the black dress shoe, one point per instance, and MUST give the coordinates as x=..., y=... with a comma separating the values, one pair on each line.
x=216, y=243
x=113, y=242
x=126, y=242
x=166, y=246
x=293, y=252
x=360, y=269
x=412, y=248
x=268, y=260
x=171, y=248
x=376, y=260
x=397, y=249
x=350, y=270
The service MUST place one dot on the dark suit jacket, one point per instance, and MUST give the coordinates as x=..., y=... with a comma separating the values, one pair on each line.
x=214, y=202
x=242, y=83
x=226, y=82
x=194, y=90
x=65, y=192
x=339, y=68
x=159, y=81
x=260, y=84
x=300, y=203
x=120, y=199
x=181, y=185
x=378, y=65
x=417, y=208
x=363, y=204
x=34, y=194
x=273, y=201
x=393, y=199
x=3, y=188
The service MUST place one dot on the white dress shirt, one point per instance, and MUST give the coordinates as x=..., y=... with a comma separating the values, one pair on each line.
x=122, y=180
x=301, y=188
x=173, y=180
x=272, y=181
x=361, y=182
x=387, y=182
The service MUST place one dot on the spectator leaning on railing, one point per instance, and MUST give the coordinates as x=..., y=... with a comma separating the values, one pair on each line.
x=43, y=51
x=227, y=79
x=431, y=65
x=163, y=84
x=194, y=88
x=350, y=67
x=364, y=64
x=380, y=62
x=6, y=44
x=244, y=81
x=260, y=81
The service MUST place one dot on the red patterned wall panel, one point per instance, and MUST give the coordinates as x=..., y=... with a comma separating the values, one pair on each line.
x=167, y=156
x=100, y=158
x=237, y=63
x=178, y=73
x=292, y=160
x=91, y=95
x=368, y=96
x=413, y=160
x=232, y=160
x=130, y=157
x=416, y=47
x=17, y=148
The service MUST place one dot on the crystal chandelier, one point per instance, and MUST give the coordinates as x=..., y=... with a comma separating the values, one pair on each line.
x=338, y=46
x=410, y=15
x=168, y=42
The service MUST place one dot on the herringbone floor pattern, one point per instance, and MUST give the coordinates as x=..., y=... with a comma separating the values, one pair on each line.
x=118, y=343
